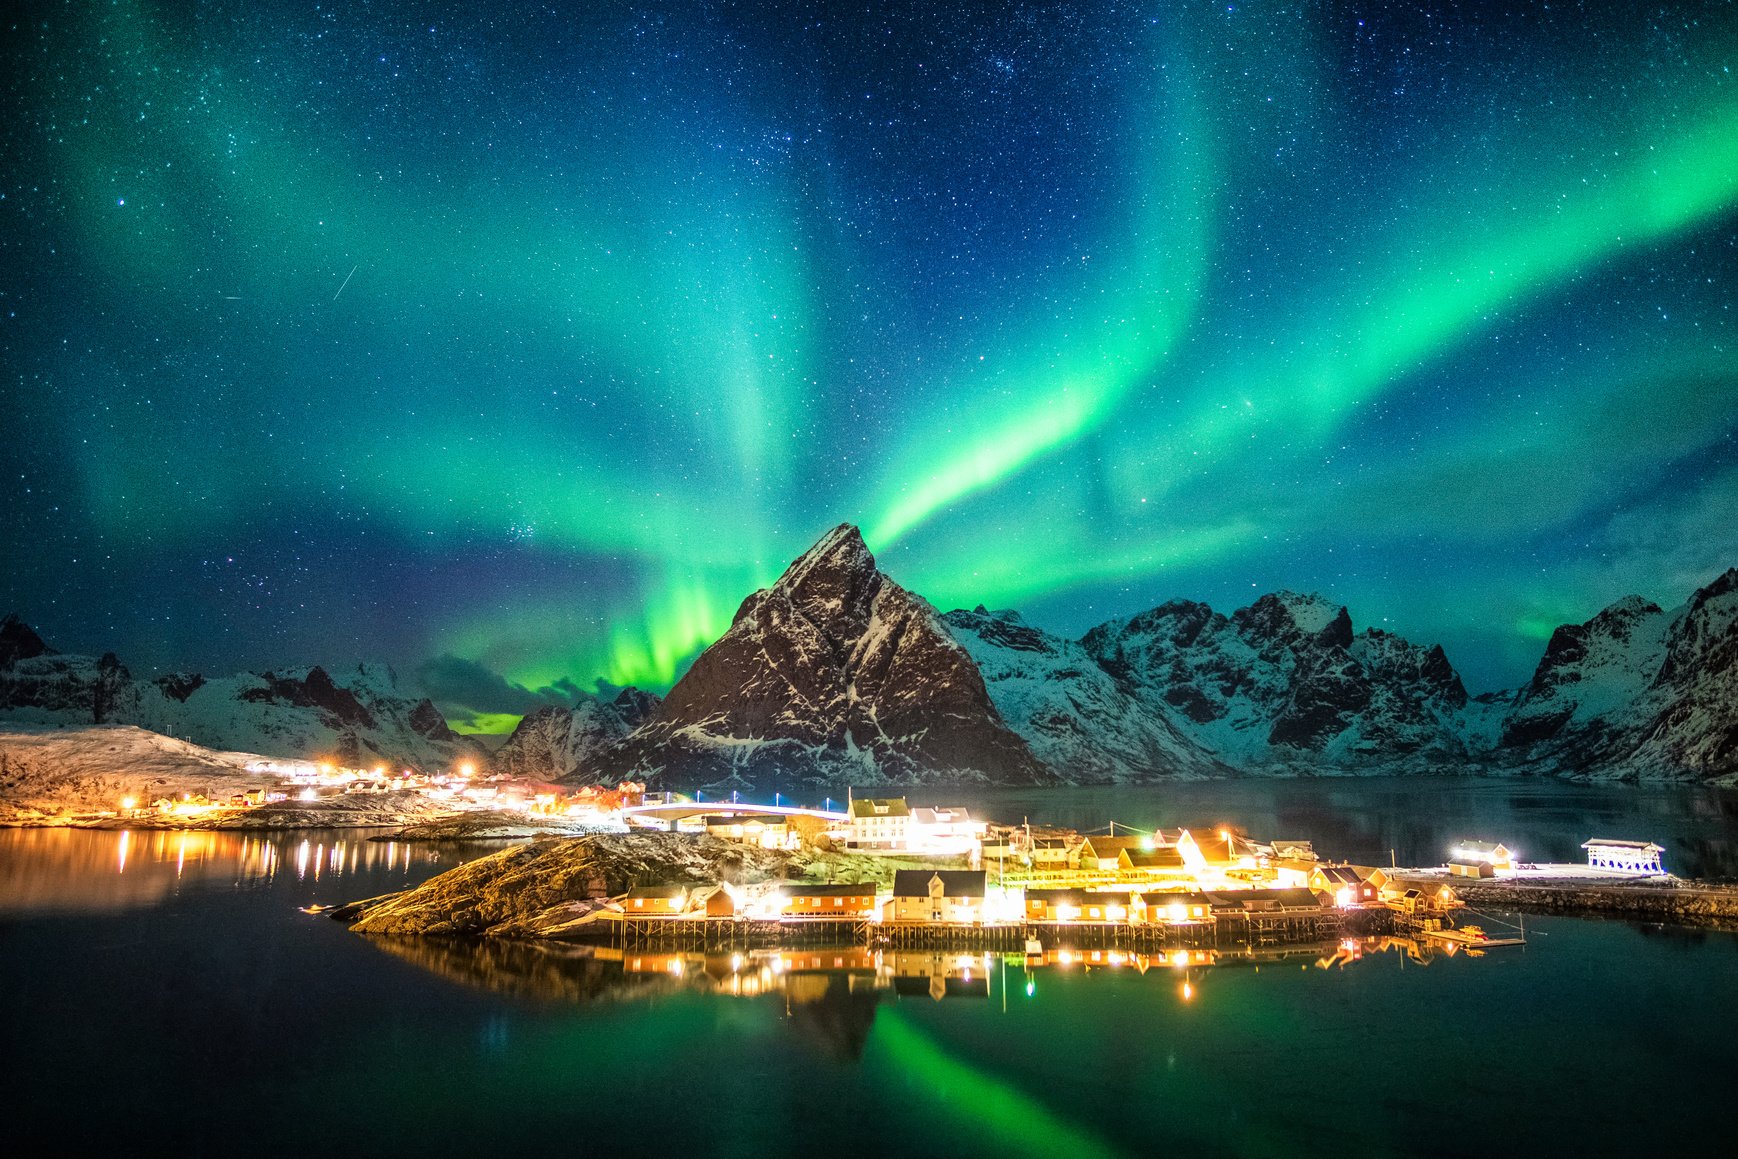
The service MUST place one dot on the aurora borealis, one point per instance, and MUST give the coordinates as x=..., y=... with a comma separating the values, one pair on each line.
x=515, y=345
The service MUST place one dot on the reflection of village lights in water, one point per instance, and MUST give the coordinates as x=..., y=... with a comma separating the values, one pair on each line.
x=302, y=860
x=1188, y=992
x=122, y=846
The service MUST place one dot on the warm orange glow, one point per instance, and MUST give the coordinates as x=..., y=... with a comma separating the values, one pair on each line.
x=128, y=804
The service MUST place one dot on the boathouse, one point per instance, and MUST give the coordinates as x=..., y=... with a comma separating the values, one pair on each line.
x=1493, y=853
x=1177, y=908
x=1625, y=856
x=1418, y=896
x=1341, y=885
x=655, y=901
x=827, y=901
x=1075, y=905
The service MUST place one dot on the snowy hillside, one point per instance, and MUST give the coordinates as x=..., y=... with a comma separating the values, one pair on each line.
x=359, y=719
x=1077, y=718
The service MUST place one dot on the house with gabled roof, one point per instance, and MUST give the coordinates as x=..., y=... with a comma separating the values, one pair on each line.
x=878, y=824
x=1341, y=885
x=1104, y=854
x=948, y=896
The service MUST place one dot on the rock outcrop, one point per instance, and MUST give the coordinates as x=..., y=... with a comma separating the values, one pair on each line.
x=531, y=889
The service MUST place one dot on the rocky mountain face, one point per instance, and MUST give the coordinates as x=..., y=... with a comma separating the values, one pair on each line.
x=1287, y=682
x=834, y=674
x=553, y=743
x=1084, y=723
x=360, y=718
x=1637, y=692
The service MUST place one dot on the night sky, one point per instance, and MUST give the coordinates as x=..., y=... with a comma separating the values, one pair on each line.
x=515, y=347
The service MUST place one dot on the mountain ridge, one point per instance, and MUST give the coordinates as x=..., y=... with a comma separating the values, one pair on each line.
x=837, y=674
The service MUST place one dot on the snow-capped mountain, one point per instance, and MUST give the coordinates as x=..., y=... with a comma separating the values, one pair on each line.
x=1078, y=719
x=1285, y=682
x=553, y=743
x=360, y=718
x=835, y=673
x=1637, y=692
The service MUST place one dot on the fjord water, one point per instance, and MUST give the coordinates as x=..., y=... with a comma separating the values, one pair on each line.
x=164, y=991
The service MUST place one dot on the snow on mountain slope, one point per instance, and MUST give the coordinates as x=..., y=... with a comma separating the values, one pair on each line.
x=1076, y=717
x=1285, y=683
x=1637, y=692
x=360, y=719
x=554, y=743
x=835, y=673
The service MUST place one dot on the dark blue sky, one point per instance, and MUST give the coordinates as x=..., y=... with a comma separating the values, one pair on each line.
x=514, y=345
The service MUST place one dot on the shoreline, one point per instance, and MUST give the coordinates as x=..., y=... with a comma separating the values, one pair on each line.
x=1698, y=904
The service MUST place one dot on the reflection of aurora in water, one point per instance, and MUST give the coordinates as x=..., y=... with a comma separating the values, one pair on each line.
x=531, y=328
x=282, y=1028
x=577, y=972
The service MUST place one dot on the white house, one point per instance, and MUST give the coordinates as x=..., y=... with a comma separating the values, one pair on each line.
x=879, y=824
x=943, y=830
x=1627, y=856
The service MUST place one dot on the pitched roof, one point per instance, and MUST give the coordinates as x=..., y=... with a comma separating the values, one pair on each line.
x=1166, y=857
x=879, y=807
x=1264, y=899
x=1606, y=843
x=1171, y=897
x=838, y=889
x=1106, y=847
x=940, y=815
x=1065, y=896
x=954, y=882
x=657, y=891
x=1343, y=874
x=1481, y=846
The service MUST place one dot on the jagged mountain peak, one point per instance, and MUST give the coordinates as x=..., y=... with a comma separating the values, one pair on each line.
x=1283, y=613
x=837, y=573
x=833, y=672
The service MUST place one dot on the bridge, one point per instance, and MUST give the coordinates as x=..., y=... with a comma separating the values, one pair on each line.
x=674, y=811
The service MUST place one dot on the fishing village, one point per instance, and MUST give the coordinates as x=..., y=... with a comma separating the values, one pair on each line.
x=885, y=874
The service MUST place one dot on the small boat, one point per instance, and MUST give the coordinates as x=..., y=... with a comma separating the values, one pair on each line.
x=316, y=908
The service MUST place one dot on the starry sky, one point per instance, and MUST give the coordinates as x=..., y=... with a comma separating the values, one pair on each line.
x=514, y=345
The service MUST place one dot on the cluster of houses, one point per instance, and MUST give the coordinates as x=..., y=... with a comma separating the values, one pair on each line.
x=967, y=897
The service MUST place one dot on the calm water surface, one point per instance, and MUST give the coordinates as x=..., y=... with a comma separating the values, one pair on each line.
x=157, y=991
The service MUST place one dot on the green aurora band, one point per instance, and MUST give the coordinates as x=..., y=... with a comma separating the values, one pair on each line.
x=653, y=348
